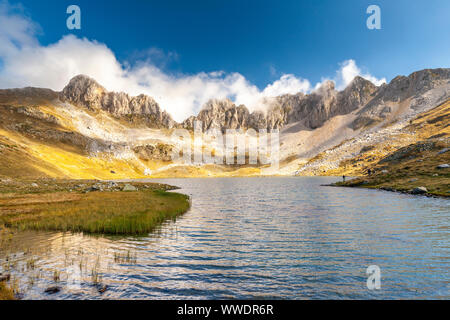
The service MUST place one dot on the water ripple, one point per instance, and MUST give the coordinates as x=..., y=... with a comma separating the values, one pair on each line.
x=253, y=238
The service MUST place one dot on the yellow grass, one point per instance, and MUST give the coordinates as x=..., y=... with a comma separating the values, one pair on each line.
x=6, y=293
x=111, y=212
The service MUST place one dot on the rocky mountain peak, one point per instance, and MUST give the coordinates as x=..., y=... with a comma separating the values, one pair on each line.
x=86, y=92
x=419, y=89
x=218, y=104
x=314, y=109
x=355, y=95
x=220, y=114
x=326, y=88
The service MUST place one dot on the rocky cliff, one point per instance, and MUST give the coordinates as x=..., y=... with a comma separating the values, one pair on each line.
x=313, y=109
x=417, y=91
x=65, y=134
x=86, y=92
x=375, y=104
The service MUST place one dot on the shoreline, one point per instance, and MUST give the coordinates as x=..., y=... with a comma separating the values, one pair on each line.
x=428, y=195
x=89, y=206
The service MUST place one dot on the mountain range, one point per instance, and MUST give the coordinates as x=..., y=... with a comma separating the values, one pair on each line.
x=84, y=131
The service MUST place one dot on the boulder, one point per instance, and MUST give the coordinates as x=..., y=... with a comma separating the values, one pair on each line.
x=93, y=189
x=443, y=166
x=419, y=190
x=52, y=290
x=5, y=277
x=102, y=289
x=129, y=187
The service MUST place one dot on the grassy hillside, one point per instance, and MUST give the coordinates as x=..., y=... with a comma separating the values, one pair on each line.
x=413, y=165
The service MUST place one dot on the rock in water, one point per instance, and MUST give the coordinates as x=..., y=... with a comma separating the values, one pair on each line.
x=5, y=277
x=102, y=289
x=52, y=290
x=419, y=190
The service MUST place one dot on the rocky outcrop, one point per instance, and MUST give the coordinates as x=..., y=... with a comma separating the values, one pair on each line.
x=374, y=104
x=220, y=114
x=313, y=109
x=159, y=151
x=423, y=88
x=86, y=92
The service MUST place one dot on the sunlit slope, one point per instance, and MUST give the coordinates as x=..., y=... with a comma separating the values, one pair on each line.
x=45, y=141
x=355, y=156
x=57, y=140
x=24, y=158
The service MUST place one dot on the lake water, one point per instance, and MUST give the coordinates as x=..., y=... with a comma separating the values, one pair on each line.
x=253, y=238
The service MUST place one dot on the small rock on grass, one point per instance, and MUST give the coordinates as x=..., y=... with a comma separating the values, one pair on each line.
x=94, y=188
x=443, y=166
x=129, y=187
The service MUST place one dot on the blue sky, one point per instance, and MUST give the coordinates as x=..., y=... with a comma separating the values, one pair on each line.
x=261, y=40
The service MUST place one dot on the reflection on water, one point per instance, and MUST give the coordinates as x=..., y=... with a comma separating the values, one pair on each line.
x=244, y=238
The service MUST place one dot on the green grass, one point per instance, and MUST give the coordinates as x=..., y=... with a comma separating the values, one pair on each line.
x=112, y=213
x=411, y=167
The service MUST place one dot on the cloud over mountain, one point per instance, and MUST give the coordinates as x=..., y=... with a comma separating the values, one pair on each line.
x=25, y=62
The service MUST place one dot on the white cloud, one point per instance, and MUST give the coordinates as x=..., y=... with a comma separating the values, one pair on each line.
x=347, y=72
x=27, y=63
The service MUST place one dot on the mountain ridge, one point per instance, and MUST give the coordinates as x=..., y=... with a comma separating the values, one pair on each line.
x=313, y=109
x=84, y=131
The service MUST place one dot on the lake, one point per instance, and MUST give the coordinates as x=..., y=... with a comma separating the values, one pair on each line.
x=252, y=238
